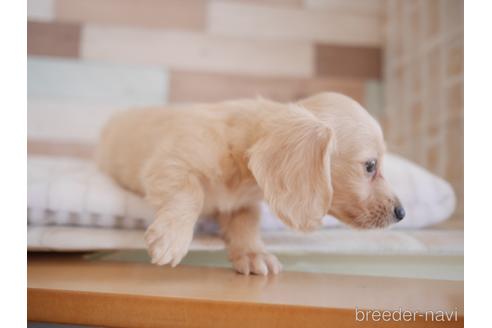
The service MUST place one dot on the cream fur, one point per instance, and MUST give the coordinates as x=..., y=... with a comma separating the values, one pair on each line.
x=305, y=159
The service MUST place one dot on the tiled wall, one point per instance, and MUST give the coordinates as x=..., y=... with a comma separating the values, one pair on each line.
x=423, y=115
x=88, y=58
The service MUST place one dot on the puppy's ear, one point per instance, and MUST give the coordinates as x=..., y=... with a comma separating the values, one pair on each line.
x=291, y=163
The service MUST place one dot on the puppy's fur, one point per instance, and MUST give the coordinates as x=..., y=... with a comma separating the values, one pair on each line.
x=306, y=159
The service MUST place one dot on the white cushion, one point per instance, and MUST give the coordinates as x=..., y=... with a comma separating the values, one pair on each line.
x=68, y=191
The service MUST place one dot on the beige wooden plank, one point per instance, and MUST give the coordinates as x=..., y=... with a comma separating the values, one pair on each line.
x=274, y=22
x=367, y=7
x=289, y=3
x=188, y=14
x=66, y=121
x=186, y=86
x=57, y=148
x=189, y=51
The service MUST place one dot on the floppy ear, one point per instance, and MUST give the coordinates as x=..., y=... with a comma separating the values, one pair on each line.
x=291, y=164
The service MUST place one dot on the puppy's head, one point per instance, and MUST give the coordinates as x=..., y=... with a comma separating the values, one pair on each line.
x=324, y=156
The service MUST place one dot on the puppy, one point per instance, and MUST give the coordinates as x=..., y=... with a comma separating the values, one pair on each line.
x=321, y=155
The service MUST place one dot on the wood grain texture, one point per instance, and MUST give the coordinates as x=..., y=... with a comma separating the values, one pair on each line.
x=53, y=39
x=189, y=14
x=455, y=53
x=54, y=148
x=274, y=22
x=365, y=7
x=188, y=86
x=348, y=61
x=453, y=15
x=70, y=100
x=66, y=121
x=197, y=51
x=40, y=10
x=85, y=82
x=70, y=290
x=283, y=3
x=116, y=310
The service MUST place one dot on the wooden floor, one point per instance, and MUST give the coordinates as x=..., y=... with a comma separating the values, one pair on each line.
x=69, y=289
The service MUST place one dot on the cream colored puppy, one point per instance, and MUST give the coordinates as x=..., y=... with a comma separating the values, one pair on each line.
x=319, y=156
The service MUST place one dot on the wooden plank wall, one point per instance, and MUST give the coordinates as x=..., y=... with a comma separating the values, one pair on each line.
x=90, y=58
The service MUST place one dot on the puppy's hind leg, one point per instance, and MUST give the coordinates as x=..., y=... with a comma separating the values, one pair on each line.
x=241, y=232
x=178, y=197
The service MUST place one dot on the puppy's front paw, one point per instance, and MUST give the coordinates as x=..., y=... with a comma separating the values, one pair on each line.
x=257, y=263
x=167, y=245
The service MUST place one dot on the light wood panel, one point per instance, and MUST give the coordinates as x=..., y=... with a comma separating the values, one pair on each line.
x=273, y=22
x=288, y=3
x=189, y=14
x=67, y=122
x=367, y=7
x=85, y=82
x=69, y=101
x=70, y=290
x=40, y=10
x=196, y=51
x=193, y=86
x=57, y=148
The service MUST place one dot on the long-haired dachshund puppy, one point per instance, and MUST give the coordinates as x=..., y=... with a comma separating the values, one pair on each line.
x=321, y=155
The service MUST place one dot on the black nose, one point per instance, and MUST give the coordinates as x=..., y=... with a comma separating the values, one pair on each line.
x=399, y=213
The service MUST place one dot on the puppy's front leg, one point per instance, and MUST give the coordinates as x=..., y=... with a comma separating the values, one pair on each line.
x=178, y=198
x=241, y=232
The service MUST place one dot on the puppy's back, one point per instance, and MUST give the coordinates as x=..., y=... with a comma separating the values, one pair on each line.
x=195, y=133
x=128, y=140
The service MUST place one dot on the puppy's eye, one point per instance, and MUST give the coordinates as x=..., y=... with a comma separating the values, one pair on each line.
x=371, y=166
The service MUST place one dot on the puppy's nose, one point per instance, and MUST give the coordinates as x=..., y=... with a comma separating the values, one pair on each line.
x=399, y=213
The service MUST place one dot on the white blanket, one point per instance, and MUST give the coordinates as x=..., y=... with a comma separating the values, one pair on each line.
x=68, y=191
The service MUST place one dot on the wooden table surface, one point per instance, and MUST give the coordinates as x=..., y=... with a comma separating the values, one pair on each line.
x=69, y=289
